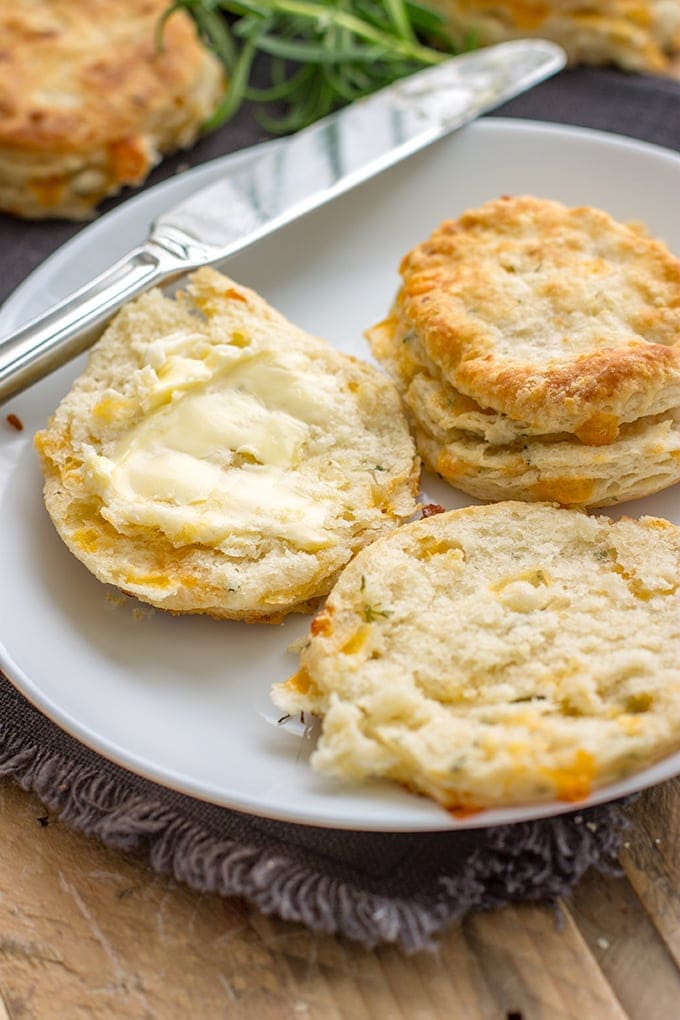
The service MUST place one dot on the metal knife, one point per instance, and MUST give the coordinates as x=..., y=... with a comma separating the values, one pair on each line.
x=275, y=183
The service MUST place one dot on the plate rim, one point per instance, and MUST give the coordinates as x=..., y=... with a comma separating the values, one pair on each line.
x=182, y=783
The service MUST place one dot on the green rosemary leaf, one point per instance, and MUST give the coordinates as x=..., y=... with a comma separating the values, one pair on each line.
x=237, y=87
x=400, y=19
x=425, y=20
x=311, y=53
x=281, y=87
x=318, y=54
x=341, y=84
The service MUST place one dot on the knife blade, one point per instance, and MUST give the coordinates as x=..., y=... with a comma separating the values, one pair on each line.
x=274, y=183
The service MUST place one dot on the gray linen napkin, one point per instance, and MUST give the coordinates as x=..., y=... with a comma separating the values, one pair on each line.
x=373, y=887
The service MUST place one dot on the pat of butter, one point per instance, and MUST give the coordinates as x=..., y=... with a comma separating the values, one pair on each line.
x=215, y=425
x=221, y=458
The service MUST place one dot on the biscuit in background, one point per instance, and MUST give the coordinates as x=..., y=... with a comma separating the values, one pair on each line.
x=537, y=348
x=638, y=35
x=88, y=103
x=497, y=655
x=213, y=458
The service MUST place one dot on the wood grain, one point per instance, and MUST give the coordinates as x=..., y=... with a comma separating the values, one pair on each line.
x=651, y=861
x=90, y=932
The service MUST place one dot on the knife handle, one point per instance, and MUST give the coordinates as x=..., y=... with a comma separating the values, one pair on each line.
x=68, y=328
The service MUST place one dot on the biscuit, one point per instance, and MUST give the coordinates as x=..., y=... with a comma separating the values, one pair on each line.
x=214, y=458
x=496, y=655
x=88, y=103
x=639, y=35
x=547, y=314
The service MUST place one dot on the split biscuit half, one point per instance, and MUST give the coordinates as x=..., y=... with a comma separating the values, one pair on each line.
x=213, y=458
x=498, y=655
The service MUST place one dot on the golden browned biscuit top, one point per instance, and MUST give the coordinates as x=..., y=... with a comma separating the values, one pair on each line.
x=549, y=315
x=73, y=74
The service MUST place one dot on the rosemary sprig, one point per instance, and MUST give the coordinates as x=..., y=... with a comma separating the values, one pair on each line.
x=320, y=54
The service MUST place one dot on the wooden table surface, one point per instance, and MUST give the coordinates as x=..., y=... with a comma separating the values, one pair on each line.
x=90, y=932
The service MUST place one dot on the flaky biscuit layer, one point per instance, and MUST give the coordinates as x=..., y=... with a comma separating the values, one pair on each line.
x=491, y=456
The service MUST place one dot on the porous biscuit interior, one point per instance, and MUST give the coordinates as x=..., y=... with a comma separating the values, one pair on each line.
x=548, y=315
x=215, y=458
x=497, y=655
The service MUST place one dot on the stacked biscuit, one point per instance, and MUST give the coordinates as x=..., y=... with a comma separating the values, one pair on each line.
x=536, y=347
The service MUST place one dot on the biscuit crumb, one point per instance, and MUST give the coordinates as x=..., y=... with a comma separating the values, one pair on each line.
x=143, y=612
x=431, y=510
x=296, y=646
x=14, y=421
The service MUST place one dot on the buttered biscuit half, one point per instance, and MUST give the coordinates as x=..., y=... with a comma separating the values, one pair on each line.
x=497, y=655
x=213, y=458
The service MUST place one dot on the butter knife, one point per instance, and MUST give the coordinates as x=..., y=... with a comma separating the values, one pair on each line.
x=277, y=182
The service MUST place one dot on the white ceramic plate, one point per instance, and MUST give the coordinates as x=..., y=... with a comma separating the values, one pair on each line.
x=184, y=701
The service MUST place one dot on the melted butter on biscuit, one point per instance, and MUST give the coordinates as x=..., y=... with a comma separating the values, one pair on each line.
x=218, y=454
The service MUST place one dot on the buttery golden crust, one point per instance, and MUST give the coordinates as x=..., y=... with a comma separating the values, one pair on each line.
x=213, y=458
x=640, y=35
x=546, y=314
x=89, y=103
x=498, y=654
